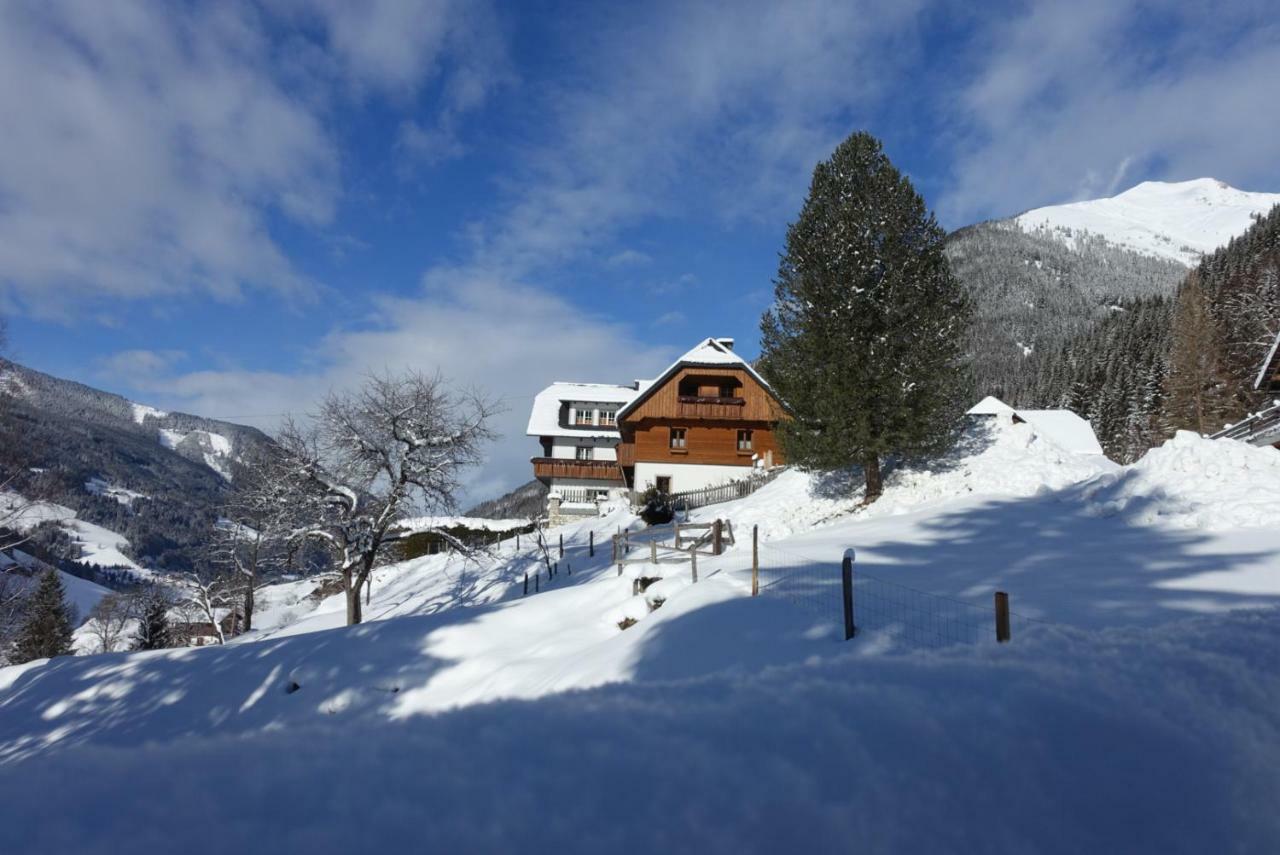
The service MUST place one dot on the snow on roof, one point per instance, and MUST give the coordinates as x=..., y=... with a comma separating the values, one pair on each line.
x=429, y=523
x=1064, y=428
x=709, y=352
x=1266, y=363
x=990, y=406
x=544, y=419
x=1061, y=427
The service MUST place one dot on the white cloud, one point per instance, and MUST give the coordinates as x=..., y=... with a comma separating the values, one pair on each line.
x=147, y=149
x=694, y=110
x=506, y=339
x=138, y=366
x=1081, y=100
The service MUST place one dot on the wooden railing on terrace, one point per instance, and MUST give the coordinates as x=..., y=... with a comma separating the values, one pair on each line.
x=704, y=407
x=558, y=467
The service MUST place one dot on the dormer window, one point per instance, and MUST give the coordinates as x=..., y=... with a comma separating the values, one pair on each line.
x=584, y=417
x=608, y=418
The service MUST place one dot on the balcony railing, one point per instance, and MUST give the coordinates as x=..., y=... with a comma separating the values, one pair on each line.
x=559, y=467
x=706, y=407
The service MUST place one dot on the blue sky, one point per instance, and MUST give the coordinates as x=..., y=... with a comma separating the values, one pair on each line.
x=230, y=208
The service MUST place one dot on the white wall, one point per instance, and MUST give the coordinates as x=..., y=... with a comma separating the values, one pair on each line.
x=565, y=447
x=688, y=476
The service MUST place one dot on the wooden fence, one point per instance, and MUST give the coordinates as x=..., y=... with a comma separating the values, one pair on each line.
x=688, y=500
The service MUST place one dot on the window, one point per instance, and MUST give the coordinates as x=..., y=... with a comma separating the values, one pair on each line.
x=584, y=452
x=608, y=417
x=663, y=483
x=728, y=391
x=679, y=442
x=744, y=440
x=584, y=417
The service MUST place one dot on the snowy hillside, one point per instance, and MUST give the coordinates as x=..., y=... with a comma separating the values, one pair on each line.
x=1179, y=221
x=1124, y=677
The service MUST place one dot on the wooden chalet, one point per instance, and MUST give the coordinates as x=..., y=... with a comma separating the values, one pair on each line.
x=708, y=420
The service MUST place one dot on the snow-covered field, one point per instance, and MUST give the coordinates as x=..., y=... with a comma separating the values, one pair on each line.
x=1131, y=712
x=97, y=545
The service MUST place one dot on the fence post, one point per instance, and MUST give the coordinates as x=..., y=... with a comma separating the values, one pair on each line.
x=562, y=544
x=526, y=584
x=555, y=568
x=717, y=544
x=537, y=586
x=1002, y=617
x=591, y=543
x=653, y=552
x=846, y=581
x=693, y=562
x=755, y=561
x=517, y=541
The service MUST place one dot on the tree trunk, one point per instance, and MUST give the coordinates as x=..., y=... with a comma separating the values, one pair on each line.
x=248, y=607
x=871, y=468
x=352, y=590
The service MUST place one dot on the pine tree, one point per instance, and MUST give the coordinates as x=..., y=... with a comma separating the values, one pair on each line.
x=153, y=627
x=865, y=341
x=46, y=631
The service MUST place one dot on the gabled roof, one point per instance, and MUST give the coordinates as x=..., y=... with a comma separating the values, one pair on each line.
x=1269, y=365
x=1061, y=427
x=544, y=418
x=708, y=353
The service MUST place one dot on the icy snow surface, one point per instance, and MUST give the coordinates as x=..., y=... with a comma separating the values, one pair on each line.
x=1132, y=714
x=1180, y=221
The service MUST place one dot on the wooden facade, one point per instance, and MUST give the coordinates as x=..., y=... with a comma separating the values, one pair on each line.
x=712, y=424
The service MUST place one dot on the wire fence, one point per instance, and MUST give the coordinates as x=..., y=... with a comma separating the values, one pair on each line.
x=902, y=614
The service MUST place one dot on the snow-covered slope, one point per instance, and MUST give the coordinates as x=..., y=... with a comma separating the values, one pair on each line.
x=714, y=720
x=1180, y=221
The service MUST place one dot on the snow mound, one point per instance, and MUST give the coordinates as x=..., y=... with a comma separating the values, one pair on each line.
x=993, y=457
x=1194, y=482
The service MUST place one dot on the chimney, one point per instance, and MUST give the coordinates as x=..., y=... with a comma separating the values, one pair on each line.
x=726, y=343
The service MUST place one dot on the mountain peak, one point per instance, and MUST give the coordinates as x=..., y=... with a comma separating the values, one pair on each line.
x=1177, y=220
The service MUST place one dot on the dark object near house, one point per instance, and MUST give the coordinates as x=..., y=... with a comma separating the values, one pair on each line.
x=656, y=507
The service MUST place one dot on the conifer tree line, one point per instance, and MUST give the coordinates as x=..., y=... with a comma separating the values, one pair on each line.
x=1155, y=365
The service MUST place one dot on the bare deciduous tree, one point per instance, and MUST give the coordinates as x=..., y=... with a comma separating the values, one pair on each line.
x=109, y=620
x=252, y=537
x=373, y=456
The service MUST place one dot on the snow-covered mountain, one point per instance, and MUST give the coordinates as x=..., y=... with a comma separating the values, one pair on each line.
x=1179, y=221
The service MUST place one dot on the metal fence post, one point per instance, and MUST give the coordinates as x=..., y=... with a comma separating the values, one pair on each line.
x=591, y=543
x=562, y=545
x=846, y=580
x=1002, y=617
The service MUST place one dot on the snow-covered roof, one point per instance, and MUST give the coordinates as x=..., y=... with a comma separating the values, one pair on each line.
x=417, y=524
x=710, y=352
x=1064, y=428
x=1267, y=363
x=990, y=406
x=1061, y=427
x=544, y=419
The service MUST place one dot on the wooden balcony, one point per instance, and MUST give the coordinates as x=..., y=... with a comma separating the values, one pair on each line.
x=703, y=407
x=593, y=470
x=626, y=454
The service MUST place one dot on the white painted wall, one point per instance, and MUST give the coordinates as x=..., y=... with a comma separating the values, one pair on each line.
x=688, y=476
x=565, y=447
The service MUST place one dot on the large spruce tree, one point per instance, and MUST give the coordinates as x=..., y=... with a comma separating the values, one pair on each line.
x=865, y=341
x=46, y=631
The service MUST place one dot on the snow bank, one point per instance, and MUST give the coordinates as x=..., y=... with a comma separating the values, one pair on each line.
x=1193, y=482
x=994, y=457
x=1153, y=741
